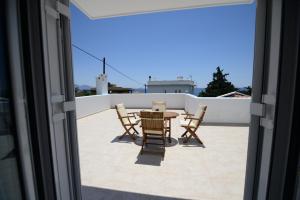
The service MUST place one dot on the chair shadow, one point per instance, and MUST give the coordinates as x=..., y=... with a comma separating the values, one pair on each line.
x=139, y=141
x=191, y=143
x=150, y=157
x=125, y=139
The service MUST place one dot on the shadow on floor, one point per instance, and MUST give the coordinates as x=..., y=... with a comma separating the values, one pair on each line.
x=152, y=156
x=191, y=143
x=125, y=139
x=94, y=193
x=174, y=142
x=139, y=139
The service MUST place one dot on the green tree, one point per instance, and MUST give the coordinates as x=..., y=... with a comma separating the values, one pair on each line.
x=218, y=86
x=247, y=90
x=76, y=89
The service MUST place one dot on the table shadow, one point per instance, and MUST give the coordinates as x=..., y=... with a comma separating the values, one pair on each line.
x=191, y=143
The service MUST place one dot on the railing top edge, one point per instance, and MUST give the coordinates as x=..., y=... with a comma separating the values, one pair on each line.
x=90, y=96
x=149, y=94
x=168, y=94
x=223, y=98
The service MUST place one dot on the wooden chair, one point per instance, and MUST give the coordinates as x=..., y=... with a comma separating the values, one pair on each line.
x=159, y=106
x=192, y=123
x=128, y=121
x=153, y=128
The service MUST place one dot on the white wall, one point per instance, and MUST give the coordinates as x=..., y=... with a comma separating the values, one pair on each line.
x=89, y=105
x=176, y=101
x=219, y=110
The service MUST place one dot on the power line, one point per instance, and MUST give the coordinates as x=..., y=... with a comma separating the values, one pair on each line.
x=77, y=47
x=107, y=64
x=115, y=69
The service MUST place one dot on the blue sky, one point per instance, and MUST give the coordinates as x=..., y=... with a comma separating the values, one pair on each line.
x=166, y=45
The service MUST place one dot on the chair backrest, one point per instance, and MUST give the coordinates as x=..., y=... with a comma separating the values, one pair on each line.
x=121, y=111
x=199, y=114
x=152, y=121
x=159, y=106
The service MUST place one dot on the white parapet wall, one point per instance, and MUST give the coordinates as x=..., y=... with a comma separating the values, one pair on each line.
x=174, y=101
x=219, y=110
x=89, y=105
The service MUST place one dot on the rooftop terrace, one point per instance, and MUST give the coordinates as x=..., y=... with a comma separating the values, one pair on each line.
x=114, y=169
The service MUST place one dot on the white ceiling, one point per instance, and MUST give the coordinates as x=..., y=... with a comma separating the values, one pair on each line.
x=96, y=9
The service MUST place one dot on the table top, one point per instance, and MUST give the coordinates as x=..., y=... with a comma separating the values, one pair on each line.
x=170, y=114
x=167, y=114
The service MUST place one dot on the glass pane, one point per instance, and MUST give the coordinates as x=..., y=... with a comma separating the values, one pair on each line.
x=10, y=187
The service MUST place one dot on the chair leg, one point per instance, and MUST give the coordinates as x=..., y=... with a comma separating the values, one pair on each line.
x=164, y=142
x=193, y=134
x=198, y=139
x=135, y=131
x=123, y=135
x=145, y=140
x=196, y=136
x=187, y=139
x=131, y=134
x=184, y=133
x=143, y=143
x=164, y=150
x=127, y=131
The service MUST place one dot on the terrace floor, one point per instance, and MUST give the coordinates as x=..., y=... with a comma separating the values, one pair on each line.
x=114, y=169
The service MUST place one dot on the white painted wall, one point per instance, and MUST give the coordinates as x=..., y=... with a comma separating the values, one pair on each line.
x=219, y=110
x=89, y=105
x=176, y=101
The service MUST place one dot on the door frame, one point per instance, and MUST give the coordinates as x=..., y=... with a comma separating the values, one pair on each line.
x=285, y=145
x=25, y=53
x=254, y=139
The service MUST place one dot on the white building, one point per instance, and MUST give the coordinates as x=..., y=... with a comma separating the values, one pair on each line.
x=171, y=86
x=101, y=84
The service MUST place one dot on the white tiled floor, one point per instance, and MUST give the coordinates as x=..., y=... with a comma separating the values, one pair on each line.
x=114, y=169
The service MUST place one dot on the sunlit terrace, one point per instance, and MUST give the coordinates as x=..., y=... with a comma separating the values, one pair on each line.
x=113, y=168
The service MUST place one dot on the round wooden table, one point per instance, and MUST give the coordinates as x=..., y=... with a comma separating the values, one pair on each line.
x=168, y=115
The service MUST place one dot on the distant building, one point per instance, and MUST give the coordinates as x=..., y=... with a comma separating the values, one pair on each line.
x=171, y=86
x=234, y=94
x=113, y=90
